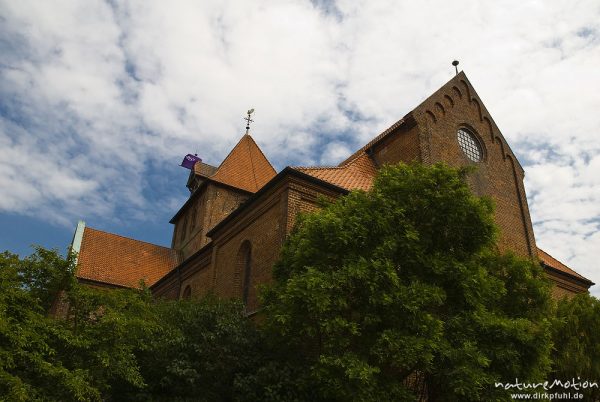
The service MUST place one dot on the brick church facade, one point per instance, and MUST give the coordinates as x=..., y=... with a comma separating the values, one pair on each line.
x=228, y=234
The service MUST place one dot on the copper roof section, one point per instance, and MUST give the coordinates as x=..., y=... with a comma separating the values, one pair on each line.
x=121, y=261
x=552, y=262
x=246, y=167
x=358, y=174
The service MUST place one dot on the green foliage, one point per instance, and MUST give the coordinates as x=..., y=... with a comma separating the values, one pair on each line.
x=108, y=329
x=202, y=347
x=576, y=335
x=383, y=288
x=113, y=344
x=30, y=343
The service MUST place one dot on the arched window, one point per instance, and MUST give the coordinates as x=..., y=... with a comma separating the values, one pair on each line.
x=187, y=293
x=242, y=276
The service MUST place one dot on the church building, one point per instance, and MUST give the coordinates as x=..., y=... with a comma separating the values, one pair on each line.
x=227, y=235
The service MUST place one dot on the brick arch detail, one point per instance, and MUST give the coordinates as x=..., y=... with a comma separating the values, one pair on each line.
x=242, y=273
x=431, y=115
x=457, y=91
x=440, y=107
x=187, y=293
x=449, y=100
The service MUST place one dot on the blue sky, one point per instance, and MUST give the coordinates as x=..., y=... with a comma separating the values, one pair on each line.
x=100, y=100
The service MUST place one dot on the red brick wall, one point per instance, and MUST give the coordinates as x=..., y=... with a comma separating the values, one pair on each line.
x=167, y=289
x=212, y=205
x=303, y=197
x=400, y=146
x=195, y=272
x=263, y=226
x=563, y=287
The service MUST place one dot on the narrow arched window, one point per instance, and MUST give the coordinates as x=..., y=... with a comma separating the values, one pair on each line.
x=184, y=228
x=187, y=293
x=243, y=271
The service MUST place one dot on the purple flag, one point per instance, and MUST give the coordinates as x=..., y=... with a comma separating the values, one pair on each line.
x=189, y=161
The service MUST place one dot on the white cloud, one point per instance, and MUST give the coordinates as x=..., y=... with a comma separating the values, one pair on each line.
x=86, y=85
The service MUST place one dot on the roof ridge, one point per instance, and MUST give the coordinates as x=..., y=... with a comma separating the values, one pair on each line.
x=228, y=155
x=344, y=166
x=109, y=281
x=129, y=238
x=252, y=159
x=561, y=263
x=261, y=151
x=373, y=141
x=354, y=160
x=245, y=167
x=318, y=167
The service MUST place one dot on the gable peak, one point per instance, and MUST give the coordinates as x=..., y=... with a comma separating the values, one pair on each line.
x=245, y=167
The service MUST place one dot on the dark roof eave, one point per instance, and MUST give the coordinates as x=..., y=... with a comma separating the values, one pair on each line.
x=96, y=282
x=196, y=193
x=179, y=266
x=287, y=171
x=579, y=279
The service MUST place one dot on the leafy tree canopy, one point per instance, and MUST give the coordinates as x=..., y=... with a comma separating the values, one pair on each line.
x=113, y=344
x=386, y=294
x=576, y=336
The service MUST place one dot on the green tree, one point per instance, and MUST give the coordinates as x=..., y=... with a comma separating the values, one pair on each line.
x=108, y=329
x=31, y=343
x=576, y=336
x=203, y=346
x=88, y=355
x=114, y=344
x=386, y=294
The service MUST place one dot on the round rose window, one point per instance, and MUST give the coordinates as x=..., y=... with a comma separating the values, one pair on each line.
x=469, y=145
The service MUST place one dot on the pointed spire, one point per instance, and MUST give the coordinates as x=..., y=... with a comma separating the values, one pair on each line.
x=246, y=167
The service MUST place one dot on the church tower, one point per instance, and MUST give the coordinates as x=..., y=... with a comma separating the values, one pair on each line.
x=217, y=191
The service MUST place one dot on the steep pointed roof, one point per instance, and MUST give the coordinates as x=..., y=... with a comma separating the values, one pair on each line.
x=246, y=167
x=357, y=174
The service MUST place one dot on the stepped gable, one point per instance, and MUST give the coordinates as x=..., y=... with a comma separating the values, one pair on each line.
x=357, y=174
x=246, y=167
x=552, y=262
x=107, y=258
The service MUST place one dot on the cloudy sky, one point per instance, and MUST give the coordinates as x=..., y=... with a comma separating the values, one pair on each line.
x=100, y=100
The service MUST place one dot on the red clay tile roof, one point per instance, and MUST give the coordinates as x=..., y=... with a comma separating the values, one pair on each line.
x=117, y=260
x=357, y=174
x=552, y=262
x=245, y=167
